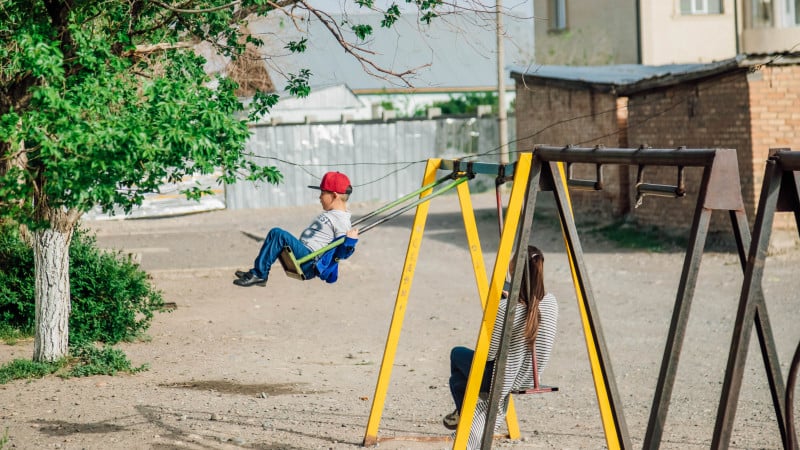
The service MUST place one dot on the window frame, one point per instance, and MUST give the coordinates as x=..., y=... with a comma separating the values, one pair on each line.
x=757, y=10
x=557, y=15
x=700, y=7
x=792, y=13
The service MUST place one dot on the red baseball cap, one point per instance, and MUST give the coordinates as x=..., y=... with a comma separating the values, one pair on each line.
x=335, y=182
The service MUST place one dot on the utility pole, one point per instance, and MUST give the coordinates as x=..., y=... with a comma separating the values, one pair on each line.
x=502, y=116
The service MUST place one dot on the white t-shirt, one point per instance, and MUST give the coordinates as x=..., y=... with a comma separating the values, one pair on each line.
x=325, y=228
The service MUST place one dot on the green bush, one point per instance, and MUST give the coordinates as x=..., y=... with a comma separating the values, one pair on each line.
x=17, y=308
x=462, y=104
x=112, y=298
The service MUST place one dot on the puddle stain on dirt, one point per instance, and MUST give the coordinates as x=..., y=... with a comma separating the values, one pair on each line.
x=229, y=387
x=64, y=428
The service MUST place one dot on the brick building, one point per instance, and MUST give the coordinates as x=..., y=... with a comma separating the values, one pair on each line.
x=749, y=103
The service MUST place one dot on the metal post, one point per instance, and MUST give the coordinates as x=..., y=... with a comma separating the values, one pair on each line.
x=520, y=255
x=502, y=115
x=608, y=399
x=393, y=338
x=752, y=306
x=680, y=319
x=492, y=302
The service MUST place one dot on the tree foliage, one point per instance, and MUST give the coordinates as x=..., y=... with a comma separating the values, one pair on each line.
x=101, y=102
x=462, y=104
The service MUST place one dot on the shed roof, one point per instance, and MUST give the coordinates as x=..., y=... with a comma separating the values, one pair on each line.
x=626, y=79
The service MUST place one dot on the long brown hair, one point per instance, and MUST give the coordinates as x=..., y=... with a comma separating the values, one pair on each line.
x=532, y=291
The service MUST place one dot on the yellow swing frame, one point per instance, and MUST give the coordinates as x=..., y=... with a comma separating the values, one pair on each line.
x=489, y=293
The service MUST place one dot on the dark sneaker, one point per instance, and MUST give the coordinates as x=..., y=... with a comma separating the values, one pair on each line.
x=450, y=421
x=248, y=279
x=241, y=273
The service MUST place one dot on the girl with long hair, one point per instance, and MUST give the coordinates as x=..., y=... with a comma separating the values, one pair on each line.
x=535, y=321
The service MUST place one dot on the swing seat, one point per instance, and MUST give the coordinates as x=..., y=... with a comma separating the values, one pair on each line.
x=290, y=264
x=537, y=388
x=540, y=389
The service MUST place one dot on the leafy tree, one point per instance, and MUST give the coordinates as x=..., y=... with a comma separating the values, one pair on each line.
x=102, y=101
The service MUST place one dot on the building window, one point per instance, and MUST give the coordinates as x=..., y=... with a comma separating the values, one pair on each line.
x=761, y=13
x=690, y=7
x=793, y=13
x=558, y=15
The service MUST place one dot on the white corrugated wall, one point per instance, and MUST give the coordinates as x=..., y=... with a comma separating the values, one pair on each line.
x=384, y=160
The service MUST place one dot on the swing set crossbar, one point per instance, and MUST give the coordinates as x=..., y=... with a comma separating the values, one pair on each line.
x=291, y=264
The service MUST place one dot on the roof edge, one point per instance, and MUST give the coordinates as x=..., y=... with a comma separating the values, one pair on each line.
x=742, y=62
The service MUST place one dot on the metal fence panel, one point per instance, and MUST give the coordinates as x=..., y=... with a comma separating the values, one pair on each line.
x=384, y=160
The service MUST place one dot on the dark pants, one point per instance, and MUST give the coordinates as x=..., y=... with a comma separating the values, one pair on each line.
x=273, y=245
x=460, y=363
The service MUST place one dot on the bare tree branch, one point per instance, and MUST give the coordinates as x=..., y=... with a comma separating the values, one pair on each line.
x=358, y=52
x=195, y=11
x=242, y=13
x=145, y=49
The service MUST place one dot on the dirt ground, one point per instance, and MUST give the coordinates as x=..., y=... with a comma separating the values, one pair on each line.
x=294, y=365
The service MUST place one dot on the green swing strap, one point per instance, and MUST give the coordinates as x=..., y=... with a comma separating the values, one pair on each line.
x=291, y=265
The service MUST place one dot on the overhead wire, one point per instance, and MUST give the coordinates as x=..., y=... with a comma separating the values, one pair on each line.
x=495, y=151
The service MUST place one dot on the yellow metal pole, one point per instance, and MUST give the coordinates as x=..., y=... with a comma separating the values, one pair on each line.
x=473, y=242
x=478, y=266
x=606, y=413
x=412, y=254
x=492, y=301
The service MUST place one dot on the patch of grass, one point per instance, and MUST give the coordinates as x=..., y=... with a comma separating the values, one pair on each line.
x=88, y=360
x=23, y=369
x=632, y=236
x=84, y=360
x=11, y=335
x=4, y=439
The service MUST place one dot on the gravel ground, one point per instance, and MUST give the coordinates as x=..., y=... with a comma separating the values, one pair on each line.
x=294, y=365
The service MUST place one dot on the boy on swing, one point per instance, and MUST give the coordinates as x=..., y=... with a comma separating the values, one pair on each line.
x=331, y=224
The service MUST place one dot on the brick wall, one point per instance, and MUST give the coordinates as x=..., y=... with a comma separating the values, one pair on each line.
x=557, y=116
x=747, y=110
x=775, y=121
x=711, y=113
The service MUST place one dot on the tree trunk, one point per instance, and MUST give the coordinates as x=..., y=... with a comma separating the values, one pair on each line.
x=51, y=254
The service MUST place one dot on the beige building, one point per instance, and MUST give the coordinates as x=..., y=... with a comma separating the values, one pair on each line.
x=655, y=32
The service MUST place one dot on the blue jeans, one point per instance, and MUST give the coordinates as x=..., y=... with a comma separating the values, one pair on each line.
x=460, y=363
x=273, y=245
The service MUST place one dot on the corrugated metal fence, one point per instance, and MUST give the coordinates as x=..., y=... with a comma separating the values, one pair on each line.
x=384, y=160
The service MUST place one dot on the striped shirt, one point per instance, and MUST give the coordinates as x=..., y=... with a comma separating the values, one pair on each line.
x=519, y=365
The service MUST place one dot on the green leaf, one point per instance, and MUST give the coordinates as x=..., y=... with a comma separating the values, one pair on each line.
x=428, y=17
x=390, y=16
x=298, y=84
x=262, y=103
x=297, y=46
x=362, y=31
